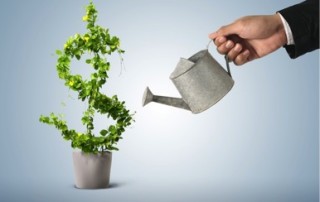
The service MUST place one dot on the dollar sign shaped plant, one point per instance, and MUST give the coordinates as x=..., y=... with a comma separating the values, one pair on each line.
x=99, y=43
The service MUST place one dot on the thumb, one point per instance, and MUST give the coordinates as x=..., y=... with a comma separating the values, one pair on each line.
x=227, y=30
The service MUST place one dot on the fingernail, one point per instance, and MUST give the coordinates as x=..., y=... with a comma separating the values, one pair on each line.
x=221, y=39
x=229, y=44
x=237, y=48
x=246, y=53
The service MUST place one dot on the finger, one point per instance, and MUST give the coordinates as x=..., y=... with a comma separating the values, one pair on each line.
x=234, y=52
x=227, y=30
x=213, y=35
x=242, y=58
x=225, y=47
x=220, y=40
x=232, y=28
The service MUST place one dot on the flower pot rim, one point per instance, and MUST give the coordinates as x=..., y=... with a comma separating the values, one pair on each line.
x=82, y=152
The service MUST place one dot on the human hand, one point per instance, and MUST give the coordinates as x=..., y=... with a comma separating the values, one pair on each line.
x=250, y=37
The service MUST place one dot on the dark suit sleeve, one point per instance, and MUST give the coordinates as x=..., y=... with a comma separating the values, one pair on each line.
x=303, y=20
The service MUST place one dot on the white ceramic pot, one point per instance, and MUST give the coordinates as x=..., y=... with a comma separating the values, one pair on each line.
x=92, y=171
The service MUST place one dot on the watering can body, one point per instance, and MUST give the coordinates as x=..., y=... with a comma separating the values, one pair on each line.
x=201, y=82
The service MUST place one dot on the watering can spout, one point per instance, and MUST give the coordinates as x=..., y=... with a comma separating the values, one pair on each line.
x=171, y=101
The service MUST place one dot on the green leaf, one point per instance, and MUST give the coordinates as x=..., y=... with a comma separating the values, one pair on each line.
x=44, y=119
x=58, y=52
x=103, y=132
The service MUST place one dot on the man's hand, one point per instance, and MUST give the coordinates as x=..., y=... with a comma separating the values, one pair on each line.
x=250, y=37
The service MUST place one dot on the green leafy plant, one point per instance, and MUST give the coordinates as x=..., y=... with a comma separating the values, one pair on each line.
x=99, y=43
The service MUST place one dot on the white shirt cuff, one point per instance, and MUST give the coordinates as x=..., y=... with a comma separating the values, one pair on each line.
x=290, y=40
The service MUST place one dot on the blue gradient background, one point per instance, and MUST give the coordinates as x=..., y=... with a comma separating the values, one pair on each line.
x=260, y=143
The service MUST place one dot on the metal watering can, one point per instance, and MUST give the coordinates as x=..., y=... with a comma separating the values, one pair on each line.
x=200, y=80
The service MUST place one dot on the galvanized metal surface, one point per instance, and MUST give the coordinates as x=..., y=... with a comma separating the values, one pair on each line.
x=200, y=80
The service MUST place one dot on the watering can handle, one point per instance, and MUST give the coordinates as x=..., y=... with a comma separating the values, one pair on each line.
x=227, y=62
x=225, y=57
